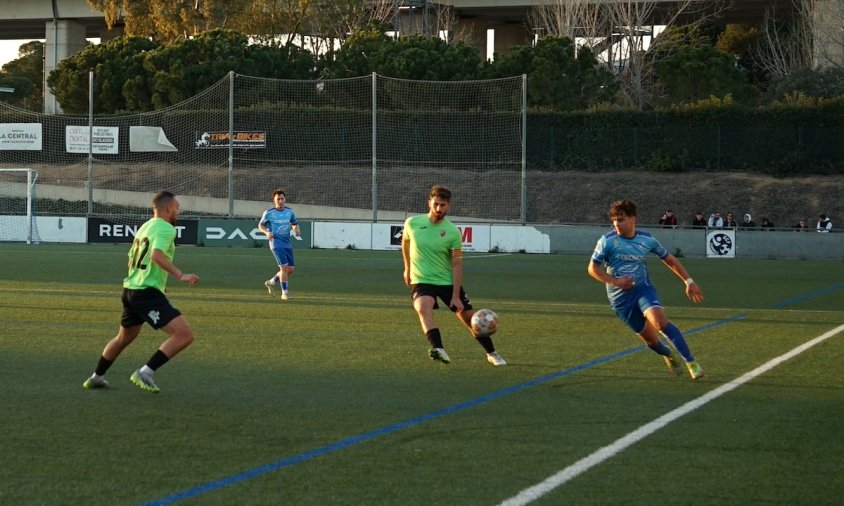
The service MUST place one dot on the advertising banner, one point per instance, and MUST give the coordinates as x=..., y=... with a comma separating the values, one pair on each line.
x=388, y=236
x=242, y=140
x=61, y=229
x=101, y=230
x=20, y=136
x=104, y=139
x=721, y=244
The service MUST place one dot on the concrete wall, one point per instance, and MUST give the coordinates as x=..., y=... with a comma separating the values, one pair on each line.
x=580, y=240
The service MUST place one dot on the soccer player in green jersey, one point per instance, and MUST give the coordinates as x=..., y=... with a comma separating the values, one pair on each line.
x=432, y=250
x=150, y=260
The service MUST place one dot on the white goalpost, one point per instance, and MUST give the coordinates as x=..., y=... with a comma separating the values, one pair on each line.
x=17, y=206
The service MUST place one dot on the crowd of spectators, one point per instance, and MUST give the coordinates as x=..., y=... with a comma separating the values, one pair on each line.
x=715, y=220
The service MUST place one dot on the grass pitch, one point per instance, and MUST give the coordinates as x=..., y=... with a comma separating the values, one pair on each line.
x=330, y=398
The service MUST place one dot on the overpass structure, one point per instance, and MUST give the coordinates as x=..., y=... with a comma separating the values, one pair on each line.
x=65, y=24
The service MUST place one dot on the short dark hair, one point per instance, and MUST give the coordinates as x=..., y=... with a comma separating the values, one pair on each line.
x=279, y=191
x=623, y=206
x=161, y=199
x=441, y=192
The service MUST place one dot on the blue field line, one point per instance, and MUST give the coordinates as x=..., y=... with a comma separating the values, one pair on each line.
x=389, y=429
x=809, y=295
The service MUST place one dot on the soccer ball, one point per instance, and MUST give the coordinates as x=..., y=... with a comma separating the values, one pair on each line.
x=484, y=322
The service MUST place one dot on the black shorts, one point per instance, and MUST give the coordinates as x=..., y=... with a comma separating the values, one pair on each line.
x=441, y=291
x=146, y=305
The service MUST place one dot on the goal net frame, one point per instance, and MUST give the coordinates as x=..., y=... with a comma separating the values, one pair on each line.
x=28, y=218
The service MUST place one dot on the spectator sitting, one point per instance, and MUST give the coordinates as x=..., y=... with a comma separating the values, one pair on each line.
x=715, y=220
x=699, y=221
x=824, y=224
x=730, y=222
x=668, y=219
x=748, y=224
x=767, y=224
x=801, y=226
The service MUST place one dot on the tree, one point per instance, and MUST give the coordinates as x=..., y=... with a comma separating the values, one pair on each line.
x=618, y=33
x=428, y=59
x=339, y=20
x=137, y=74
x=169, y=20
x=25, y=75
x=120, y=81
x=821, y=83
x=358, y=56
x=431, y=59
x=785, y=43
x=182, y=69
x=691, y=74
x=558, y=79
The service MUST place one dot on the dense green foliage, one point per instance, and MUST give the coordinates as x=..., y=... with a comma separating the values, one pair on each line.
x=691, y=63
x=694, y=73
x=780, y=140
x=429, y=59
x=120, y=82
x=561, y=77
x=25, y=75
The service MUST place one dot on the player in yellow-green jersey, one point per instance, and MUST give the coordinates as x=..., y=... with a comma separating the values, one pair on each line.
x=432, y=250
x=150, y=261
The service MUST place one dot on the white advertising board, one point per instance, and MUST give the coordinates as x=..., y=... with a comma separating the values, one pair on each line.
x=342, y=235
x=20, y=136
x=48, y=228
x=104, y=139
x=388, y=236
x=518, y=238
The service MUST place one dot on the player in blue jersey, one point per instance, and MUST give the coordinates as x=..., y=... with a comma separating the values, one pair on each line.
x=279, y=224
x=619, y=262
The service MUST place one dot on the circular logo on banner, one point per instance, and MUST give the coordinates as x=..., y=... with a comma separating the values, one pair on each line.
x=721, y=244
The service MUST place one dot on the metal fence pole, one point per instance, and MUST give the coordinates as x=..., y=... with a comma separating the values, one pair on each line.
x=231, y=144
x=374, y=151
x=524, y=149
x=90, y=142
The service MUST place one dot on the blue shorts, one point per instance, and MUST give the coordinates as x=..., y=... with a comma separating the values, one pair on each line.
x=632, y=306
x=283, y=256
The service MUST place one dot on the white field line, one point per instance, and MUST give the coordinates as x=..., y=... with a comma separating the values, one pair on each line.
x=540, y=489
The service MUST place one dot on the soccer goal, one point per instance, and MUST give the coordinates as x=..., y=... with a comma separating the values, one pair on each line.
x=17, y=206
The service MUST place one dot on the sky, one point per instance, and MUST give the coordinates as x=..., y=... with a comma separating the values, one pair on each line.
x=9, y=50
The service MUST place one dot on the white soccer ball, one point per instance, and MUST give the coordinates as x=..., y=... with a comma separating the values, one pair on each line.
x=484, y=322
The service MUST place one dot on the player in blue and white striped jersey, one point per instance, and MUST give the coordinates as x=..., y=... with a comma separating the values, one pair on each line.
x=279, y=223
x=619, y=263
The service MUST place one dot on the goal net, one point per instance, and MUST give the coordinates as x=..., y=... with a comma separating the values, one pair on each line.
x=17, y=206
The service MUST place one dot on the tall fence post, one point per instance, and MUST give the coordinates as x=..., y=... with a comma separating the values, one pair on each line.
x=90, y=142
x=374, y=150
x=524, y=149
x=231, y=143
